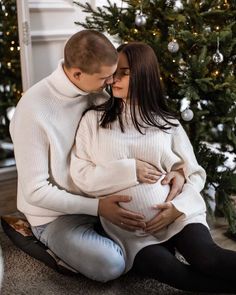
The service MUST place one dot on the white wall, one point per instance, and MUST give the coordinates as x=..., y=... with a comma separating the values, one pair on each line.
x=51, y=24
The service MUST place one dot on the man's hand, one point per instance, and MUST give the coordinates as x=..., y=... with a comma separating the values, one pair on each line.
x=110, y=209
x=176, y=181
x=167, y=215
x=146, y=172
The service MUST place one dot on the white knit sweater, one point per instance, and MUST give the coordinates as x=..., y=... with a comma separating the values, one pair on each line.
x=43, y=130
x=97, y=148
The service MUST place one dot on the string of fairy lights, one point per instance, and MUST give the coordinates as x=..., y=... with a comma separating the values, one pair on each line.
x=9, y=59
x=140, y=21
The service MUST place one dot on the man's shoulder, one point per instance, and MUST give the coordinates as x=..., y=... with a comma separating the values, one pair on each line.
x=34, y=100
x=35, y=90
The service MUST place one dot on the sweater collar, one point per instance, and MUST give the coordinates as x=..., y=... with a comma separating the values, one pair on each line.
x=62, y=83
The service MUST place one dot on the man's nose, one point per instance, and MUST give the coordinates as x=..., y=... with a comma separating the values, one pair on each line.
x=110, y=80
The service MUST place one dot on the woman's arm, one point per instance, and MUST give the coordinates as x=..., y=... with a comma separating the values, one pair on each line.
x=98, y=179
x=189, y=201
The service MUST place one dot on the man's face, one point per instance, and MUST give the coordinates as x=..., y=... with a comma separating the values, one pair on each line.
x=91, y=83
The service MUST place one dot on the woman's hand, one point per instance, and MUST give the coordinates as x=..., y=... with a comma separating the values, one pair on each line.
x=167, y=215
x=110, y=209
x=176, y=181
x=146, y=172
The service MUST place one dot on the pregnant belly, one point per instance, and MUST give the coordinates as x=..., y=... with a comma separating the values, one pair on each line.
x=144, y=197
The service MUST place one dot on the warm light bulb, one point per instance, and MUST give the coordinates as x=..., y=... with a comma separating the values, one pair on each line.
x=11, y=48
x=156, y=32
x=215, y=73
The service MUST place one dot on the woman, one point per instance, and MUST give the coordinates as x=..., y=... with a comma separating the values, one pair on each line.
x=136, y=123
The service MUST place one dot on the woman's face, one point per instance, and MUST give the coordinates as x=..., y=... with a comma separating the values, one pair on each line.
x=120, y=86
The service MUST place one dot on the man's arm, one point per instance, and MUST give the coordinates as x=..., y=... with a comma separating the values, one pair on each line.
x=31, y=148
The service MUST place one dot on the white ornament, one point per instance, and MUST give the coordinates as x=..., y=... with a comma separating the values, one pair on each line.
x=2, y=120
x=178, y=5
x=140, y=20
x=187, y=115
x=184, y=104
x=207, y=29
x=173, y=46
x=218, y=57
x=10, y=112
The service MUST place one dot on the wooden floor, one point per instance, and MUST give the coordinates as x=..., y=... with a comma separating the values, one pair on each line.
x=8, y=205
x=7, y=196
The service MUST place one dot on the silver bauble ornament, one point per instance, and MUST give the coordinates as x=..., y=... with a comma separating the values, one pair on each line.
x=173, y=46
x=140, y=20
x=207, y=29
x=10, y=112
x=2, y=120
x=187, y=115
x=218, y=57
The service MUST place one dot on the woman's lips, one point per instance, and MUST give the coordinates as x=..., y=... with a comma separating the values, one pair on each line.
x=116, y=88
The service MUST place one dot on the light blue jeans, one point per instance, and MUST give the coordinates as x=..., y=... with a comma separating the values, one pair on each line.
x=74, y=240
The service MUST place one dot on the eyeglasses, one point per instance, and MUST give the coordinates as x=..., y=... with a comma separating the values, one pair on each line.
x=121, y=73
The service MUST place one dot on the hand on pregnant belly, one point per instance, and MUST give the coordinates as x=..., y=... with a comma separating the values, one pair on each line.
x=167, y=215
x=144, y=197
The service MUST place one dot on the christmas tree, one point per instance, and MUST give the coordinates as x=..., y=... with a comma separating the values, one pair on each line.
x=10, y=71
x=195, y=42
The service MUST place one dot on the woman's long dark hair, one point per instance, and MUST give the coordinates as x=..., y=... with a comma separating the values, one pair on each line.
x=146, y=94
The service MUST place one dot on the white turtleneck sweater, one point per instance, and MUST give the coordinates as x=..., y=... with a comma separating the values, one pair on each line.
x=43, y=130
x=97, y=148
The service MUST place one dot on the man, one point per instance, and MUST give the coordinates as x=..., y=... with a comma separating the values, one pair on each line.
x=43, y=130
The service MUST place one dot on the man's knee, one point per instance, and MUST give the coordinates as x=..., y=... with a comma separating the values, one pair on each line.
x=109, y=266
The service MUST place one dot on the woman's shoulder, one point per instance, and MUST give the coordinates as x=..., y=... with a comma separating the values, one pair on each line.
x=91, y=117
x=171, y=123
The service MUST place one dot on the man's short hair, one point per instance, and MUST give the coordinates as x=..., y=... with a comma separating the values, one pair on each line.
x=88, y=50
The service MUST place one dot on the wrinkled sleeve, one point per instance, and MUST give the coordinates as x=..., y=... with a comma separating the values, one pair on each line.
x=93, y=178
x=189, y=201
x=31, y=148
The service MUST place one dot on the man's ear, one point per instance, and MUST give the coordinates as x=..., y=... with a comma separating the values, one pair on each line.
x=77, y=74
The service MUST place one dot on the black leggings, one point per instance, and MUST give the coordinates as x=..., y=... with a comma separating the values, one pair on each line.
x=211, y=268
